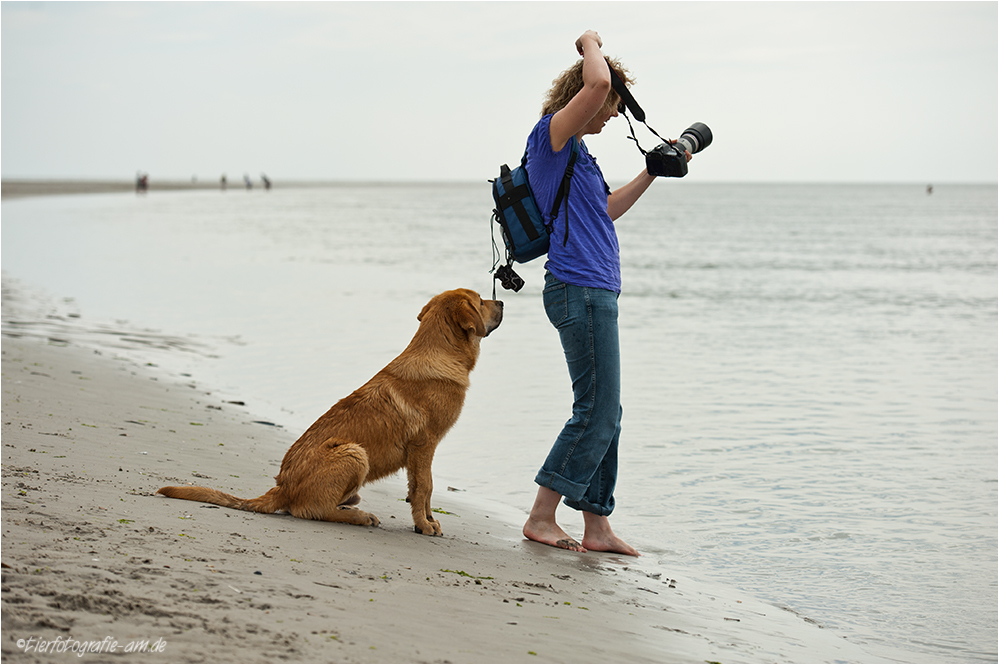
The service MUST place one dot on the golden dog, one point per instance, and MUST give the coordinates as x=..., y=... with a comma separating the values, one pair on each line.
x=395, y=420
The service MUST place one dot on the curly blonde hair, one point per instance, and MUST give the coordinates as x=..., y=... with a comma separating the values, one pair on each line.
x=569, y=82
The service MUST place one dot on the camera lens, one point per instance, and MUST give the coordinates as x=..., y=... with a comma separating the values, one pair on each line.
x=695, y=138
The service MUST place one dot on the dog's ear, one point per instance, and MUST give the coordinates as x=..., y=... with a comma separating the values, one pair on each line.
x=470, y=319
x=423, y=312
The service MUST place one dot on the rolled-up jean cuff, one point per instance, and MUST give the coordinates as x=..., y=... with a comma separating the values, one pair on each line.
x=572, y=493
x=567, y=488
x=586, y=506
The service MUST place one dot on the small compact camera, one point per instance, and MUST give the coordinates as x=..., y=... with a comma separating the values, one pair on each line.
x=669, y=160
x=508, y=279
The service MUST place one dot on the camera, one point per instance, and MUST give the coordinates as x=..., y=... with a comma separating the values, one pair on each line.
x=668, y=159
x=508, y=279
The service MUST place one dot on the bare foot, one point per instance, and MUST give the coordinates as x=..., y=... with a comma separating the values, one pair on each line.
x=549, y=533
x=599, y=537
x=613, y=545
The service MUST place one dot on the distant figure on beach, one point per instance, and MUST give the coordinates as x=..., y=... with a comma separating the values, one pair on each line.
x=266, y=181
x=929, y=189
x=582, y=284
x=246, y=179
x=223, y=182
x=141, y=182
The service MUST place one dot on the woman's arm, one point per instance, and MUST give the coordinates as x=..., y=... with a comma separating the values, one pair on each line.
x=622, y=198
x=571, y=120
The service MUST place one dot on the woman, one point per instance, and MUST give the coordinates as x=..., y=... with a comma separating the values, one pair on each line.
x=582, y=284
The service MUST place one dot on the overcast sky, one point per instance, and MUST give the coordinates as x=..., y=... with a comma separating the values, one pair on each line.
x=794, y=91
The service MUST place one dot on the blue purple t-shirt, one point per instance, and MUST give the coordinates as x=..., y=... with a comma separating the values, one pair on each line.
x=591, y=257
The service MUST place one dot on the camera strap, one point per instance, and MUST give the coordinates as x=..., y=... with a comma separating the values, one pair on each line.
x=630, y=104
x=632, y=137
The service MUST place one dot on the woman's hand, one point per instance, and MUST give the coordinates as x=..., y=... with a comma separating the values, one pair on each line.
x=686, y=152
x=588, y=35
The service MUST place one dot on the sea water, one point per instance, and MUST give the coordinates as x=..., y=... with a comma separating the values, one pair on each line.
x=809, y=371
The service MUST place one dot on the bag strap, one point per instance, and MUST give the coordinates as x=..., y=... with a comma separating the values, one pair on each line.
x=514, y=196
x=563, y=190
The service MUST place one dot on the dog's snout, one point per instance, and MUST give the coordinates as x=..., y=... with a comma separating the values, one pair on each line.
x=496, y=318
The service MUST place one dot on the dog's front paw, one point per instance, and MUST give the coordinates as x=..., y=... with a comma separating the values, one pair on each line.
x=354, y=516
x=430, y=529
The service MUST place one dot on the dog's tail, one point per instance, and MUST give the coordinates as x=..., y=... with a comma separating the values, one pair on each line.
x=270, y=502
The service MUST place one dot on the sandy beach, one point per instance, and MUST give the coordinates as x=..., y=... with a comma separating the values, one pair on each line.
x=20, y=188
x=94, y=561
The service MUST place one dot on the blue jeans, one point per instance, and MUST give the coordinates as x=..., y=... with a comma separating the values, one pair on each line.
x=582, y=464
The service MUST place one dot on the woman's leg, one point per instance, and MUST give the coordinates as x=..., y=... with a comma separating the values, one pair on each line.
x=582, y=464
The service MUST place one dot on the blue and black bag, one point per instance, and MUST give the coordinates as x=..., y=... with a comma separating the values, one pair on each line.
x=524, y=231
